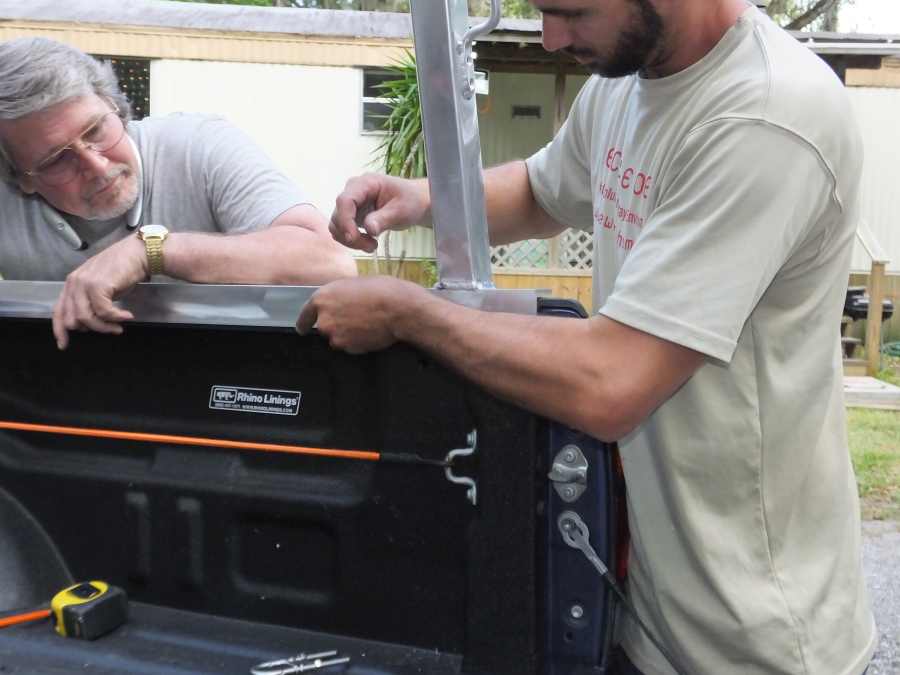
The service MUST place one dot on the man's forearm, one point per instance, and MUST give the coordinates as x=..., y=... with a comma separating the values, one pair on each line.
x=597, y=375
x=281, y=254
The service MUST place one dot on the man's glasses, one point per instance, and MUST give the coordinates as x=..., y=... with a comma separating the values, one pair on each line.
x=63, y=165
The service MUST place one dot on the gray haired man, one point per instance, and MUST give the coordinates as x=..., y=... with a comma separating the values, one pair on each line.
x=103, y=202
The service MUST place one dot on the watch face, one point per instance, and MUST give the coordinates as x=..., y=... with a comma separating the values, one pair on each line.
x=153, y=231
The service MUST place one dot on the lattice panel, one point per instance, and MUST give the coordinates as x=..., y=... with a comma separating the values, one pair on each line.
x=576, y=250
x=528, y=253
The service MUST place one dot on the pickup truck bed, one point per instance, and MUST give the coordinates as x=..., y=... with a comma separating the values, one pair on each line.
x=234, y=556
x=165, y=641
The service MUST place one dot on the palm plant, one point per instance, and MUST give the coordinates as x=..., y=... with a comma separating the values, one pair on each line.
x=402, y=152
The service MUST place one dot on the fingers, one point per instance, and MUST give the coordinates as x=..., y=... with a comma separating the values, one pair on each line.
x=64, y=321
x=351, y=236
x=389, y=216
x=106, y=310
x=309, y=314
x=85, y=308
x=372, y=204
x=60, y=333
x=357, y=196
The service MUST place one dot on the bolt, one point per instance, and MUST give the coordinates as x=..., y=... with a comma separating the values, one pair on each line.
x=569, y=492
x=569, y=456
x=576, y=611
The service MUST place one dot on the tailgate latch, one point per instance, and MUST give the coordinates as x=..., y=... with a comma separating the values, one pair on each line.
x=569, y=473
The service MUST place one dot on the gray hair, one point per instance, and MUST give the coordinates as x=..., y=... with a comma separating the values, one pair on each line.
x=36, y=73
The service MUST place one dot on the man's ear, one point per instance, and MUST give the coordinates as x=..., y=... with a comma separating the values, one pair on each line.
x=26, y=184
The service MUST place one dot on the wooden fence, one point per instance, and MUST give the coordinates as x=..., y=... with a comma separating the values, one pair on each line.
x=558, y=283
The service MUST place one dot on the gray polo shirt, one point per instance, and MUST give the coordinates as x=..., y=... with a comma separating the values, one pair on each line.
x=199, y=174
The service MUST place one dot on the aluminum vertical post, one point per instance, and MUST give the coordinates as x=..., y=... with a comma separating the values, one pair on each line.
x=446, y=79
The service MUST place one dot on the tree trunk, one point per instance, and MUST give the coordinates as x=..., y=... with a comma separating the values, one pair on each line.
x=830, y=20
x=818, y=9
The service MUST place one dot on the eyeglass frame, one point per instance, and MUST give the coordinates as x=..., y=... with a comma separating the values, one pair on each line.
x=36, y=172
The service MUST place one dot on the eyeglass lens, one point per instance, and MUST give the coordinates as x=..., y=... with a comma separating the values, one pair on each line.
x=102, y=136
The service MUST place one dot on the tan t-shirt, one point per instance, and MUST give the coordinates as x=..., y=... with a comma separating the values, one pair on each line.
x=724, y=201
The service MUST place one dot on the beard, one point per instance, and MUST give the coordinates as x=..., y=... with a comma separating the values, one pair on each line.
x=115, y=201
x=634, y=50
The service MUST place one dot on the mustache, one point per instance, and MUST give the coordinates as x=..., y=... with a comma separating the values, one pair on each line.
x=578, y=52
x=99, y=184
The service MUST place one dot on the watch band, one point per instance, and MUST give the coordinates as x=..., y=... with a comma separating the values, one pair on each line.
x=153, y=237
x=153, y=246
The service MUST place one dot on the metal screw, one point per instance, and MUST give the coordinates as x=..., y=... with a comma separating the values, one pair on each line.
x=577, y=611
x=569, y=491
x=569, y=456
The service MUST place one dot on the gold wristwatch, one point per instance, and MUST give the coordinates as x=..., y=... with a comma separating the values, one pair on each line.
x=153, y=237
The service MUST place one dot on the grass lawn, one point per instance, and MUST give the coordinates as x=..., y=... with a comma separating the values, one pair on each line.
x=875, y=449
x=890, y=369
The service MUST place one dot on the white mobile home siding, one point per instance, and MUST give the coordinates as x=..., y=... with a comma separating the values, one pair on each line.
x=878, y=113
x=307, y=118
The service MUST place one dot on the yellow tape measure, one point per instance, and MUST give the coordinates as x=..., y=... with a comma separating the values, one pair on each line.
x=89, y=609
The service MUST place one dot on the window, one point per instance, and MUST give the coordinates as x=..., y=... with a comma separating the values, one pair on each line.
x=374, y=106
x=533, y=111
x=134, y=81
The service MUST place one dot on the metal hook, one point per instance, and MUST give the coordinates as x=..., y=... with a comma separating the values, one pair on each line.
x=299, y=664
x=472, y=492
x=485, y=27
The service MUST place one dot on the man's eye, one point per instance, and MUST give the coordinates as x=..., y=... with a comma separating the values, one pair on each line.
x=56, y=163
x=95, y=132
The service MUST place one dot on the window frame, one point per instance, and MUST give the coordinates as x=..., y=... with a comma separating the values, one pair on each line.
x=364, y=71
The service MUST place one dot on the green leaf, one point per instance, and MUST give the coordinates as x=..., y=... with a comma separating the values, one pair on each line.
x=402, y=153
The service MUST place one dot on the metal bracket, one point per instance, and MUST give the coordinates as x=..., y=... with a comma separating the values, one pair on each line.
x=464, y=49
x=569, y=473
x=472, y=492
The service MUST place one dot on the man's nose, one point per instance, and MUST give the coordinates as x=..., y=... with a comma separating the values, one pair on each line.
x=91, y=161
x=555, y=34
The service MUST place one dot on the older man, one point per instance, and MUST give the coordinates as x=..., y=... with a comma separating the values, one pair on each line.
x=105, y=202
x=716, y=160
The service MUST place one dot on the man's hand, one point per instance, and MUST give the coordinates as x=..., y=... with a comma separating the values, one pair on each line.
x=360, y=315
x=87, y=298
x=377, y=203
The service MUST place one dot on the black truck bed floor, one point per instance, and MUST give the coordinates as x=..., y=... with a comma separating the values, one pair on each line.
x=163, y=641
